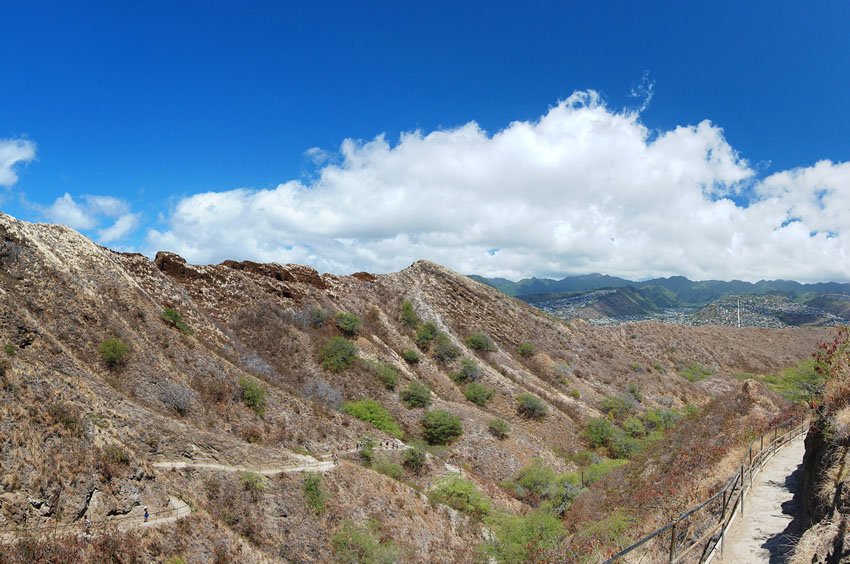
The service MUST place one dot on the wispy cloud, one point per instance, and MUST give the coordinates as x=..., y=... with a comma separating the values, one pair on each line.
x=12, y=153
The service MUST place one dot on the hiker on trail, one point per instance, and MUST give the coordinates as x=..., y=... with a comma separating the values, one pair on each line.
x=146, y=513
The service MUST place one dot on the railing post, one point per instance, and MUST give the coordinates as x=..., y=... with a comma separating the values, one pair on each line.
x=672, y=543
x=751, y=467
x=762, y=443
x=742, y=490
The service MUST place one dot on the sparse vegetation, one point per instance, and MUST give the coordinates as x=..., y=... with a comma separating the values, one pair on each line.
x=314, y=494
x=796, y=384
x=499, y=428
x=619, y=407
x=526, y=350
x=414, y=459
x=444, y=349
x=481, y=342
x=425, y=334
x=521, y=538
x=10, y=349
x=114, y=352
x=408, y=314
x=410, y=356
x=173, y=317
x=415, y=394
x=348, y=323
x=478, y=393
x=366, y=450
x=468, y=372
x=531, y=407
x=357, y=543
x=462, y=495
x=385, y=372
x=317, y=316
x=440, y=427
x=337, y=354
x=176, y=397
x=253, y=482
x=322, y=392
x=694, y=372
x=599, y=432
x=371, y=411
x=253, y=395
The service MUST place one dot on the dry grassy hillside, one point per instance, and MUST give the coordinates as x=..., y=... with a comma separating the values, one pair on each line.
x=225, y=366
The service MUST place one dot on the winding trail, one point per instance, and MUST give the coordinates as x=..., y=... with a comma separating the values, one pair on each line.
x=765, y=532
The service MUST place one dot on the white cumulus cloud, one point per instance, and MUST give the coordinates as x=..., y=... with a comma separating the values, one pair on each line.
x=582, y=189
x=91, y=213
x=12, y=152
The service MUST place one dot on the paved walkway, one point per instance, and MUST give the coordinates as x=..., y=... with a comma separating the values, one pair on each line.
x=764, y=532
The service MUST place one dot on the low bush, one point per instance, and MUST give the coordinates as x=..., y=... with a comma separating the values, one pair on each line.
x=634, y=427
x=462, y=495
x=523, y=538
x=253, y=395
x=10, y=349
x=526, y=350
x=414, y=459
x=695, y=372
x=599, y=432
x=371, y=411
x=322, y=392
x=415, y=394
x=253, y=482
x=444, y=349
x=317, y=316
x=531, y=407
x=468, y=372
x=385, y=372
x=366, y=450
x=478, y=393
x=114, y=352
x=389, y=468
x=314, y=494
x=660, y=419
x=410, y=356
x=176, y=397
x=499, y=428
x=348, y=323
x=481, y=342
x=539, y=484
x=440, y=427
x=337, y=354
x=408, y=314
x=173, y=317
x=360, y=542
x=425, y=334
x=622, y=445
x=619, y=407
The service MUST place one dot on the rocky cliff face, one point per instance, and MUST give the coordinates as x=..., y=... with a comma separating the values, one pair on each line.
x=80, y=437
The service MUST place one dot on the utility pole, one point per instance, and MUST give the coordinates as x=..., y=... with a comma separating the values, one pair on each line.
x=739, y=312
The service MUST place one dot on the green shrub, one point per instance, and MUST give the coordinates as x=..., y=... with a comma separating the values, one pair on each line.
x=619, y=406
x=348, y=323
x=634, y=391
x=359, y=543
x=317, y=316
x=173, y=317
x=385, y=372
x=410, y=356
x=660, y=419
x=366, y=450
x=522, y=538
x=531, y=407
x=481, y=342
x=634, y=427
x=117, y=454
x=599, y=470
x=9, y=349
x=253, y=482
x=114, y=352
x=337, y=354
x=425, y=334
x=609, y=531
x=462, y=495
x=314, y=495
x=599, y=432
x=531, y=483
x=573, y=393
x=440, y=427
x=468, y=372
x=695, y=372
x=415, y=394
x=478, y=393
x=499, y=428
x=253, y=395
x=444, y=349
x=408, y=314
x=526, y=350
x=389, y=468
x=371, y=411
x=414, y=459
x=622, y=445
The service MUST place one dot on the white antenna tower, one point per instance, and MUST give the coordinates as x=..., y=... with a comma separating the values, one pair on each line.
x=739, y=312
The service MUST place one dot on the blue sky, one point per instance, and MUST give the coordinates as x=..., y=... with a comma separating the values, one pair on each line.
x=155, y=111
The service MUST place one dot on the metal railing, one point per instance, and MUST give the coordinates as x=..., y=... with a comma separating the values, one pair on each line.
x=687, y=535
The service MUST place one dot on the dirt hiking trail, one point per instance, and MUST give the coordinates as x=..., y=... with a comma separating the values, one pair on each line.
x=764, y=535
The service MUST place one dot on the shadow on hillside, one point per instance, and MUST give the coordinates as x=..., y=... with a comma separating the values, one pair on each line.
x=781, y=544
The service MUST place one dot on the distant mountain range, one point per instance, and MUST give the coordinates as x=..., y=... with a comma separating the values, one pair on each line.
x=609, y=298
